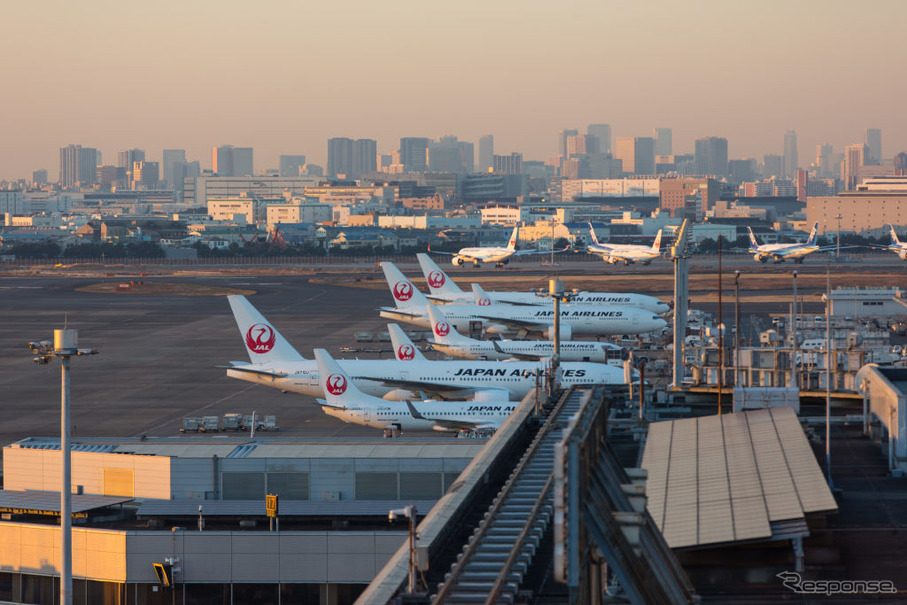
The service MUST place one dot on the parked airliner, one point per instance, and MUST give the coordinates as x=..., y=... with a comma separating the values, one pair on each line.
x=490, y=254
x=896, y=246
x=779, y=253
x=275, y=363
x=443, y=289
x=624, y=253
x=344, y=400
x=411, y=307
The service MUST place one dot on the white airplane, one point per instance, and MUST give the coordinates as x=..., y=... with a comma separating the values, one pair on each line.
x=896, y=246
x=443, y=289
x=490, y=254
x=624, y=253
x=345, y=401
x=447, y=340
x=404, y=348
x=779, y=253
x=411, y=307
x=275, y=363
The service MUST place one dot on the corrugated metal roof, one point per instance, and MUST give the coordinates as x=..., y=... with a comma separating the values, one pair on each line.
x=288, y=508
x=242, y=451
x=50, y=501
x=738, y=477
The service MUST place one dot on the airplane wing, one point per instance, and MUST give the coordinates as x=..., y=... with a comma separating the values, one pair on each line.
x=519, y=324
x=527, y=252
x=523, y=356
x=253, y=370
x=324, y=403
x=441, y=389
x=430, y=251
x=457, y=425
x=394, y=312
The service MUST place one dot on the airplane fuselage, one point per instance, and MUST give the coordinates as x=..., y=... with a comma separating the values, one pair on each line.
x=508, y=349
x=623, y=253
x=602, y=299
x=381, y=415
x=378, y=377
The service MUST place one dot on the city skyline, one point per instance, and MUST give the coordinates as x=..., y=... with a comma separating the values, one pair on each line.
x=284, y=78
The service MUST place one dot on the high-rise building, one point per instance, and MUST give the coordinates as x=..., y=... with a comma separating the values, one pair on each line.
x=228, y=160
x=854, y=160
x=562, y=137
x=663, y=143
x=364, y=157
x=602, y=134
x=900, y=163
x=78, y=165
x=486, y=151
x=824, y=154
x=146, y=175
x=637, y=154
x=39, y=177
x=173, y=167
x=451, y=155
x=772, y=166
x=873, y=140
x=791, y=163
x=340, y=156
x=352, y=158
x=414, y=154
x=291, y=165
x=710, y=156
x=508, y=164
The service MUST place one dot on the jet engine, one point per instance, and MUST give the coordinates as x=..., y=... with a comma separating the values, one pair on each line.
x=401, y=395
x=760, y=258
x=566, y=332
x=903, y=254
x=456, y=261
x=496, y=329
x=612, y=260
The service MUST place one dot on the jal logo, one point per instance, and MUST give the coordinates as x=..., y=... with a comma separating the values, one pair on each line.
x=335, y=384
x=484, y=302
x=442, y=328
x=406, y=352
x=260, y=338
x=436, y=279
x=403, y=291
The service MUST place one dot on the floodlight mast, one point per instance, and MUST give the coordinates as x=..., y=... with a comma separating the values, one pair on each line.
x=64, y=346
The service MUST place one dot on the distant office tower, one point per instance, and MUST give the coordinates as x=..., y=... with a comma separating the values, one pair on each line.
x=873, y=140
x=39, y=177
x=772, y=166
x=791, y=163
x=340, y=156
x=900, y=163
x=486, y=151
x=508, y=164
x=173, y=167
x=145, y=175
x=562, y=137
x=740, y=171
x=78, y=165
x=578, y=144
x=451, y=155
x=602, y=134
x=291, y=165
x=663, y=144
x=365, y=157
x=637, y=154
x=126, y=159
x=710, y=156
x=854, y=160
x=228, y=160
x=824, y=154
x=413, y=154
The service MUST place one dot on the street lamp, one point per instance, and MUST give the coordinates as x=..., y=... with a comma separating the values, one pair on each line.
x=838, y=251
x=64, y=346
x=409, y=512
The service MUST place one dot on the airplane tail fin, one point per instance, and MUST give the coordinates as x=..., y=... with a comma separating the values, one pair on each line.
x=439, y=283
x=813, y=235
x=514, y=237
x=480, y=296
x=406, y=295
x=592, y=234
x=264, y=344
x=656, y=246
x=753, y=243
x=404, y=349
x=339, y=390
x=894, y=236
x=441, y=329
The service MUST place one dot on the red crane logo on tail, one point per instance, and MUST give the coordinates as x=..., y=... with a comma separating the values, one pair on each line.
x=442, y=328
x=260, y=338
x=403, y=291
x=406, y=353
x=335, y=384
x=484, y=302
x=436, y=279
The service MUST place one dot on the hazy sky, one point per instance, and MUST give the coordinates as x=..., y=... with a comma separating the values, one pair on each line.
x=283, y=76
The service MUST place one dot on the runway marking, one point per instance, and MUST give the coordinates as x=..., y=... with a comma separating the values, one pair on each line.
x=195, y=411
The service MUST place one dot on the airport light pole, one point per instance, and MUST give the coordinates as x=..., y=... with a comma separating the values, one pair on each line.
x=737, y=329
x=838, y=251
x=410, y=513
x=828, y=361
x=64, y=346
